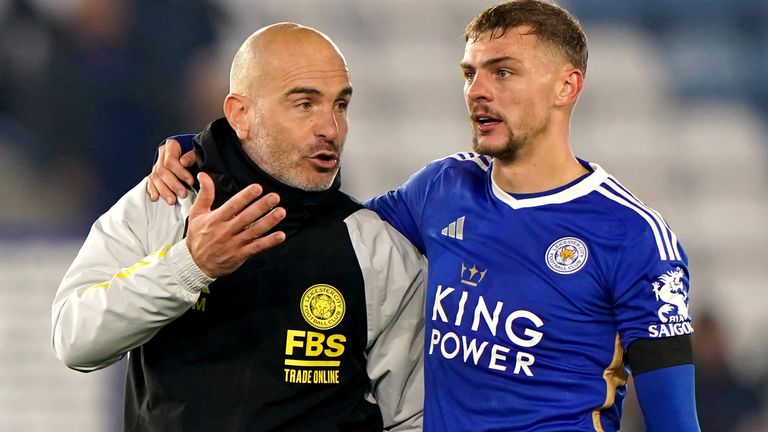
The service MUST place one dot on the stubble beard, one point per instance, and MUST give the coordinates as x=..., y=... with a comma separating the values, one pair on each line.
x=264, y=151
x=507, y=153
x=510, y=151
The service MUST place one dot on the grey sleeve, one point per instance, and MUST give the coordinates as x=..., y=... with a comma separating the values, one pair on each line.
x=132, y=276
x=394, y=273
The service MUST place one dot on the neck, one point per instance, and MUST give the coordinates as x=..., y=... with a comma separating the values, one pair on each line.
x=540, y=166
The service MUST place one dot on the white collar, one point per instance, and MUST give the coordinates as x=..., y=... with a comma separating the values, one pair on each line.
x=583, y=187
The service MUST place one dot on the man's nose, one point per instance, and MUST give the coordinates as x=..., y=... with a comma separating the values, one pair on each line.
x=478, y=89
x=327, y=126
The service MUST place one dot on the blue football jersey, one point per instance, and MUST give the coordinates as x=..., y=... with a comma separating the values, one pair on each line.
x=533, y=299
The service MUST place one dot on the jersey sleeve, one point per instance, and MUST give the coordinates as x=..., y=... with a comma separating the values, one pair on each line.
x=186, y=141
x=403, y=208
x=132, y=276
x=667, y=399
x=651, y=286
x=394, y=273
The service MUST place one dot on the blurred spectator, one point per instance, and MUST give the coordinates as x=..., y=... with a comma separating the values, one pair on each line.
x=95, y=92
x=113, y=77
x=725, y=402
x=32, y=186
x=24, y=48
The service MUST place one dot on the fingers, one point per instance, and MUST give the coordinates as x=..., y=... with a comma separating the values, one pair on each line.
x=188, y=159
x=171, y=184
x=219, y=241
x=154, y=195
x=172, y=149
x=263, y=243
x=204, y=198
x=239, y=202
x=168, y=170
x=255, y=211
x=162, y=189
x=259, y=227
x=172, y=163
x=158, y=183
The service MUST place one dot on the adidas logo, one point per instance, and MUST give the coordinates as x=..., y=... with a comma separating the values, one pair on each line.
x=455, y=229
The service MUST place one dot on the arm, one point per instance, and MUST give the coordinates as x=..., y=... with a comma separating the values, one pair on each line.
x=651, y=305
x=127, y=281
x=394, y=274
x=664, y=378
x=135, y=273
x=667, y=399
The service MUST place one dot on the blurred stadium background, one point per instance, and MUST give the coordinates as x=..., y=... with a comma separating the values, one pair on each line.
x=675, y=105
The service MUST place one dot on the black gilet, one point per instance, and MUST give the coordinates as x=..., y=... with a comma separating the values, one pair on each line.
x=278, y=345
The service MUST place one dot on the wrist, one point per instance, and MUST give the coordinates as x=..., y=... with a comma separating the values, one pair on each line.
x=190, y=274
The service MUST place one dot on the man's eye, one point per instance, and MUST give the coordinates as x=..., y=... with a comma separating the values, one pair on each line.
x=305, y=106
x=504, y=73
x=469, y=75
x=342, y=105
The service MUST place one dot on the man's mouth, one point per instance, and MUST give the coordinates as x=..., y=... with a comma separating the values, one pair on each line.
x=324, y=159
x=485, y=122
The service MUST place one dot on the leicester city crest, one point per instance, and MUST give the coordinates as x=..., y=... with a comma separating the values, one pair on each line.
x=322, y=306
x=567, y=255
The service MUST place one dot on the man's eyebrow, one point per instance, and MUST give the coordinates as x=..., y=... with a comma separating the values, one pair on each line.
x=311, y=91
x=491, y=62
x=346, y=92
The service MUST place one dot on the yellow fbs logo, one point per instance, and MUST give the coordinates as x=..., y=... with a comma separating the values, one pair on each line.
x=322, y=306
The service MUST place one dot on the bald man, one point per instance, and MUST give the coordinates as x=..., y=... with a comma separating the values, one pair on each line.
x=266, y=299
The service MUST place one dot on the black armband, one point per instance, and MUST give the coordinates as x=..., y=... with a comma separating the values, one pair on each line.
x=645, y=355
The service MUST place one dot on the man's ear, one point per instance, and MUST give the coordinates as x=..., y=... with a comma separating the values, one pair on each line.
x=236, y=108
x=570, y=86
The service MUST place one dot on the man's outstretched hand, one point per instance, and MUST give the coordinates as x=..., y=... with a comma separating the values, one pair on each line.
x=221, y=240
x=169, y=171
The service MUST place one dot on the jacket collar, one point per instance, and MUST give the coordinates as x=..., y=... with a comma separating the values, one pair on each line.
x=220, y=154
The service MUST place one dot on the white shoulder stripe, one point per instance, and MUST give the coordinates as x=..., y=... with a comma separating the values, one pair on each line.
x=670, y=239
x=674, y=244
x=653, y=213
x=613, y=197
x=484, y=162
x=675, y=250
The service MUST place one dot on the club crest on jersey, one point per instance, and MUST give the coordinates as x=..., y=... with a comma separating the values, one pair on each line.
x=322, y=306
x=567, y=255
x=671, y=290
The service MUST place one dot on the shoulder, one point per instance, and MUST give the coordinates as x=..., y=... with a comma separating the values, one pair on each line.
x=137, y=200
x=380, y=247
x=462, y=163
x=135, y=213
x=393, y=274
x=451, y=170
x=369, y=230
x=344, y=205
x=641, y=224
